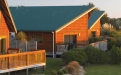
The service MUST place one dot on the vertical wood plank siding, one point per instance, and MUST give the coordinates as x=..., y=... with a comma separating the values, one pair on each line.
x=4, y=31
x=47, y=40
x=96, y=28
x=80, y=26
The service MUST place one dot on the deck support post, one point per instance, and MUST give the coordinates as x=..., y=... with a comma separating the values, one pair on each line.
x=27, y=71
x=8, y=73
x=44, y=67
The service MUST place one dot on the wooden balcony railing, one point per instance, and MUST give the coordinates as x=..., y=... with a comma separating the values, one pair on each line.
x=22, y=60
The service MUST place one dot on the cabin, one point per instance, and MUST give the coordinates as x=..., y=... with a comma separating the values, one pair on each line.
x=10, y=61
x=94, y=24
x=56, y=28
x=6, y=26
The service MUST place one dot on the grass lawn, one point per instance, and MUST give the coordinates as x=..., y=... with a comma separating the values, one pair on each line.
x=55, y=64
x=103, y=70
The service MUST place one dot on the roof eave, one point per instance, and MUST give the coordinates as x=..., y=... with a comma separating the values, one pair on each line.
x=96, y=21
x=65, y=25
x=37, y=30
x=10, y=16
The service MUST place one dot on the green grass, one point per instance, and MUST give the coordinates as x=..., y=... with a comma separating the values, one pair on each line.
x=56, y=64
x=103, y=70
x=53, y=64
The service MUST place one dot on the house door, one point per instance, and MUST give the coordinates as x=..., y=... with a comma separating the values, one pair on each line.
x=93, y=33
x=2, y=46
x=70, y=40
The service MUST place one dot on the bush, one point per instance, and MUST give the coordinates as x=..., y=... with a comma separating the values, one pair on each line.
x=65, y=71
x=118, y=42
x=53, y=72
x=116, y=55
x=111, y=42
x=75, y=64
x=74, y=55
x=94, y=39
x=60, y=72
x=71, y=69
x=103, y=57
x=92, y=54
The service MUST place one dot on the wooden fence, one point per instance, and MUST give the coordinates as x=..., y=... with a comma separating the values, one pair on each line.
x=18, y=61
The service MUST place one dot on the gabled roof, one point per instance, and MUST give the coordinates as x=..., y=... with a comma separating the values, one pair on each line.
x=7, y=15
x=96, y=15
x=46, y=18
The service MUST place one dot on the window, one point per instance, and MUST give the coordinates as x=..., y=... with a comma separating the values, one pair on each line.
x=39, y=38
x=0, y=45
x=0, y=15
x=93, y=33
x=70, y=40
x=36, y=37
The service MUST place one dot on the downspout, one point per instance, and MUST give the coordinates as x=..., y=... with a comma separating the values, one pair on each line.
x=53, y=44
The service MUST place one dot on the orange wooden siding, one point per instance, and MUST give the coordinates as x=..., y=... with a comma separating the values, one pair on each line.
x=80, y=26
x=96, y=28
x=4, y=31
x=47, y=40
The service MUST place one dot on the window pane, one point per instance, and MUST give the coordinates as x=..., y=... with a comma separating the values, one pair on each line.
x=0, y=15
x=39, y=38
x=32, y=37
x=0, y=45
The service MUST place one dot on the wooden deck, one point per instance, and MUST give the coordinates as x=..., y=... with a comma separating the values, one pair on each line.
x=19, y=61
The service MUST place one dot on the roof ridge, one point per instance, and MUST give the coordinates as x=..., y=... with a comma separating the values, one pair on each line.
x=53, y=6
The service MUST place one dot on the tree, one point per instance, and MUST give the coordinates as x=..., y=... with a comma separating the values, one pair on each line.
x=21, y=36
x=91, y=4
x=104, y=19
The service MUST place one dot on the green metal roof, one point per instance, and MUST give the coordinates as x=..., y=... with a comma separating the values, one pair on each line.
x=94, y=17
x=45, y=18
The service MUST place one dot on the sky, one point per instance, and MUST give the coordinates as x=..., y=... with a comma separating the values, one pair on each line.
x=111, y=7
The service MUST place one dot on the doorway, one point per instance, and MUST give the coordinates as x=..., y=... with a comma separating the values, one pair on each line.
x=70, y=40
x=93, y=33
x=2, y=46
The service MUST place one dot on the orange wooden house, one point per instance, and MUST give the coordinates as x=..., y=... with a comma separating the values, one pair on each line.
x=17, y=61
x=94, y=23
x=51, y=26
x=6, y=25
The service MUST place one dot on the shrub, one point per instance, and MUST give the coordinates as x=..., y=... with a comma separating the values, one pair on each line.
x=103, y=57
x=54, y=72
x=71, y=69
x=111, y=42
x=92, y=54
x=75, y=64
x=94, y=39
x=74, y=55
x=60, y=72
x=116, y=55
x=118, y=42
x=65, y=71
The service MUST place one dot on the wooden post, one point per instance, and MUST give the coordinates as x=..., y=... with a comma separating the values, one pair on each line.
x=8, y=73
x=44, y=67
x=27, y=71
